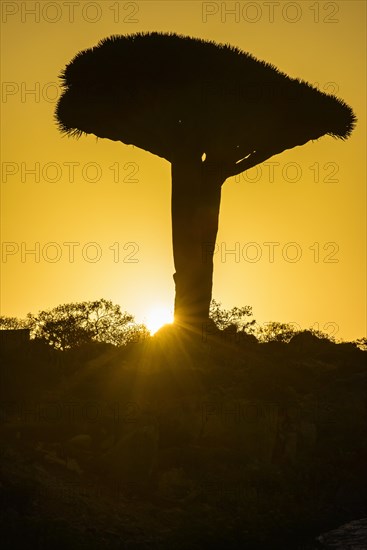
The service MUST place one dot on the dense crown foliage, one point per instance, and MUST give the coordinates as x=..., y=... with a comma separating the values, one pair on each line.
x=172, y=95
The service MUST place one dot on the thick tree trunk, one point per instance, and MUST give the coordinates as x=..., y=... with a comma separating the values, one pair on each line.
x=196, y=195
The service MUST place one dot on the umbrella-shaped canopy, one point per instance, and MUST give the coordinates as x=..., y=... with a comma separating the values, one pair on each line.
x=211, y=110
x=166, y=93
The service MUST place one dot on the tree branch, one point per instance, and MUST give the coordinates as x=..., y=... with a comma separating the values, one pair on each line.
x=255, y=158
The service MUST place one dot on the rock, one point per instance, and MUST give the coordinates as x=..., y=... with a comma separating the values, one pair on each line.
x=306, y=342
x=73, y=465
x=174, y=484
x=81, y=442
x=350, y=536
x=307, y=436
x=134, y=456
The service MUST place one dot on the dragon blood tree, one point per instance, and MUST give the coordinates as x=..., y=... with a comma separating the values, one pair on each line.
x=211, y=110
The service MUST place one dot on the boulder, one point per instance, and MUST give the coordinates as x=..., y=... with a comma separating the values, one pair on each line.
x=350, y=536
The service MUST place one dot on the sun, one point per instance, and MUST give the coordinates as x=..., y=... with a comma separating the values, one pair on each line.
x=156, y=317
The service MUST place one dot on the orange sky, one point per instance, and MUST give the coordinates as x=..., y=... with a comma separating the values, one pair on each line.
x=113, y=201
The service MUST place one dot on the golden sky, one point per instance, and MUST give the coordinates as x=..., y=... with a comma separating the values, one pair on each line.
x=96, y=213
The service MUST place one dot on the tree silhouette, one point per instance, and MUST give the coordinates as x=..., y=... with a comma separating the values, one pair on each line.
x=211, y=110
x=234, y=318
x=71, y=325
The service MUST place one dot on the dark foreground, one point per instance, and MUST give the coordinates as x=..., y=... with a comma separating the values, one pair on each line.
x=175, y=443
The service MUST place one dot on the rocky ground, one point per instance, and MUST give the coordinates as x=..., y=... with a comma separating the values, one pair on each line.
x=222, y=444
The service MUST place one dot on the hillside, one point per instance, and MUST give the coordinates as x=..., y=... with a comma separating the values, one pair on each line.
x=174, y=442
